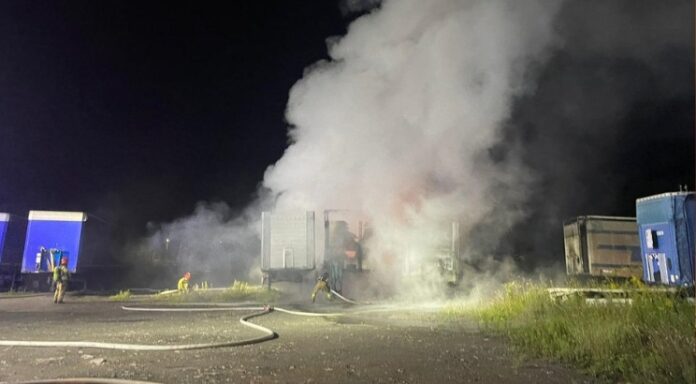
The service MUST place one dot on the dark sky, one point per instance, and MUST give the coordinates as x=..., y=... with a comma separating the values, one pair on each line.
x=611, y=118
x=137, y=110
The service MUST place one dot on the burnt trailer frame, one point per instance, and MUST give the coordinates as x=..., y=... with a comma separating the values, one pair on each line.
x=294, y=244
x=602, y=246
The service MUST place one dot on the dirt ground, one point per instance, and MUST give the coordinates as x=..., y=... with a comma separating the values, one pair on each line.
x=404, y=346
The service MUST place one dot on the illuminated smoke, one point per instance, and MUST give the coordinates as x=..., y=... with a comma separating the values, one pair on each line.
x=397, y=123
x=409, y=122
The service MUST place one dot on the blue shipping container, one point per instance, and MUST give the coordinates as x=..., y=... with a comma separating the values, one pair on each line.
x=4, y=222
x=59, y=233
x=666, y=225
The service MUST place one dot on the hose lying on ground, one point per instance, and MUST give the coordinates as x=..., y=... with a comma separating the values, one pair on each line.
x=24, y=296
x=85, y=380
x=268, y=335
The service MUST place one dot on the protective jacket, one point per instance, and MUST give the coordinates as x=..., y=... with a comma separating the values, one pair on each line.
x=183, y=285
x=60, y=279
x=61, y=274
x=322, y=285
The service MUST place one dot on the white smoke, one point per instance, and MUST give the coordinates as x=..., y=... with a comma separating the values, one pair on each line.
x=395, y=124
x=214, y=244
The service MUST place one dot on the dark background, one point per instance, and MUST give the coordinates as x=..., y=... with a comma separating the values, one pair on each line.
x=135, y=111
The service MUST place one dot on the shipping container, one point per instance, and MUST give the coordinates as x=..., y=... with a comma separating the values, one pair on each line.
x=666, y=228
x=602, y=246
x=50, y=236
x=4, y=223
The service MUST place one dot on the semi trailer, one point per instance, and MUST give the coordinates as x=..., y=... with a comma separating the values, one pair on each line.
x=667, y=229
x=4, y=222
x=50, y=236
x=294, y=245
x=602, y=246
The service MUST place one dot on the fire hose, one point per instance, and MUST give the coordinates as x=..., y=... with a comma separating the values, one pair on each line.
x=268, y=334
x=347, y=300
x=23, y=296
x=85, y=380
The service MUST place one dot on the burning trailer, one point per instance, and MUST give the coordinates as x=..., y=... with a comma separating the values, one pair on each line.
x=437, y=253
x=295, y=247
x=292, y=245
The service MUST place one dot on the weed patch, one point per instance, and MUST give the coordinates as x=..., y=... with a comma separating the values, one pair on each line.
x=121, y=296
x=237, y=292
x=649, y=340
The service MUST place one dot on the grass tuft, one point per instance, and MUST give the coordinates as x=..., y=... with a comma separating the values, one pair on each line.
x=121, y=296
x=650, y=340
x=238, y=291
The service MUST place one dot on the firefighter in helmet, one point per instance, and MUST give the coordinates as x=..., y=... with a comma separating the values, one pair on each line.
x=322, y=285
x=183, y=285
x=60, y=280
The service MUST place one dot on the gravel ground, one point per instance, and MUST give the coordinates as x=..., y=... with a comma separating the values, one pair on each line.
x=406, y=346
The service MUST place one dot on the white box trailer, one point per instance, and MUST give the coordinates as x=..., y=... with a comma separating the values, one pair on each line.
x=293, y=244
x=288, y=246
x=602, y=246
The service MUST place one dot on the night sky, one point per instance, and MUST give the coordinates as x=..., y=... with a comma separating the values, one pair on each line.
x=136, y=111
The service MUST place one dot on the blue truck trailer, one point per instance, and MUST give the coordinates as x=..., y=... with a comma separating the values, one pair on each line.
x=666, y=226
x=50, y=236
x=4, y=222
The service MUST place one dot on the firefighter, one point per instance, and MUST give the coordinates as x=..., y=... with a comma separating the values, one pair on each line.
x=322, y=285
x=60, y=280
x=183, y=285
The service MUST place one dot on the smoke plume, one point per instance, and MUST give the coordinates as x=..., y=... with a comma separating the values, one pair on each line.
x=505, y=116
x=609, y=105
x=397, y=124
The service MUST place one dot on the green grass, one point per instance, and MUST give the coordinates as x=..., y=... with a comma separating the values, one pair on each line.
x=121, y=296
x=651, y=340
x=238, y=291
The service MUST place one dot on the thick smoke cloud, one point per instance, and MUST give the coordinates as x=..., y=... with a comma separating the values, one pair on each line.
x=611, y=119
x=507, y=116
x=215, y=244
x=397, y=123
